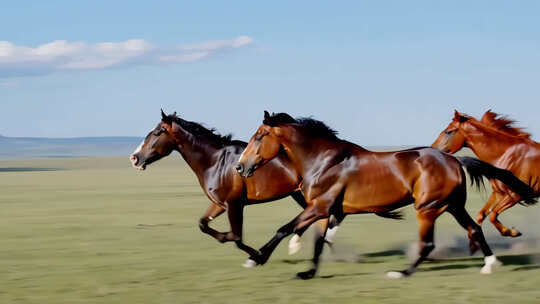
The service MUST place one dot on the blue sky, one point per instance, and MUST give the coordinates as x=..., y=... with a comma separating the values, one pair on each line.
x=380, y=72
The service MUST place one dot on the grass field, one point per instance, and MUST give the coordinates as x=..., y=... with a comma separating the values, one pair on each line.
x=94, y=230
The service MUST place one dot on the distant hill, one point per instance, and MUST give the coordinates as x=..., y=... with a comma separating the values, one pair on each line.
x=35, y=147
x=39, y=147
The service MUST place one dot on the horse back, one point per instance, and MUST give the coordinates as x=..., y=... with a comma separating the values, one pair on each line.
x=381, y=181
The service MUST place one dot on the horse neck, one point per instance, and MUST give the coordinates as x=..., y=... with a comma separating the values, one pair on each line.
x=198, y=153
x=305, y=157
x=489, y=145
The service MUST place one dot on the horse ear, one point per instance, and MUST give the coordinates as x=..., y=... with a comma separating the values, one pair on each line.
x=456, y=115
x=460, y=117
x=165, y=118
x=266, y=119
x=163, y=115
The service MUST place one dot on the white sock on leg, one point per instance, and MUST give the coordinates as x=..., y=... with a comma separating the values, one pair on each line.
x=294, y=244
x=331, y=234
x=491, y=263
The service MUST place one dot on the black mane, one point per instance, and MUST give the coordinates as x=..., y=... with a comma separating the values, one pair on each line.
x=312, y=126
x=199, y=130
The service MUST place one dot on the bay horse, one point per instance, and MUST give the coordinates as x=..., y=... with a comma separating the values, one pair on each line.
x=495, y=140
x=340, y=177
x=212, y=158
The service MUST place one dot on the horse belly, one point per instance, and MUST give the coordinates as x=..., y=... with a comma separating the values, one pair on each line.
x=376, y=197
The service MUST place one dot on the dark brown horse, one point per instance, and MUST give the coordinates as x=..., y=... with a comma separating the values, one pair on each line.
x=494, y=140
x=212, y=157
x=340, y=177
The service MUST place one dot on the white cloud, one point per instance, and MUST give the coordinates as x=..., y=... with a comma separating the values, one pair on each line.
x=190, y=57
x=219, y=44
x=241, y=41
x=108, y=54
x=63, y=55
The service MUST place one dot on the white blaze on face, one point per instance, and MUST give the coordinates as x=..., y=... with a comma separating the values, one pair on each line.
x=139, y=148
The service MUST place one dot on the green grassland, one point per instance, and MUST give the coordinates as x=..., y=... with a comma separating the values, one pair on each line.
x=94, y=230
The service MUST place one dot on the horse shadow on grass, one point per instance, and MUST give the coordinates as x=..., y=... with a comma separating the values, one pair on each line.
x=347, y=256
x=384, y=253
x=525, y=261
x=343, y=275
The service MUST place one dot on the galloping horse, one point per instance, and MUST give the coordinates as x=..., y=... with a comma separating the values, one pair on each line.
x=494, y=140
x=212, y=157
x=340, y=177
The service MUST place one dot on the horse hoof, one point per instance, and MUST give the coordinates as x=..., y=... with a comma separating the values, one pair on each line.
x=306, y=275
x=294, y=244
x=395, y=274
x=480, y=219
x=222, y=238
x=491, y=263
x=515, y=233
x=249, y=263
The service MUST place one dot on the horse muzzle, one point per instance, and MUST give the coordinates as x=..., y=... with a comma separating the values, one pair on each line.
x=244, y=171
x=134, y=159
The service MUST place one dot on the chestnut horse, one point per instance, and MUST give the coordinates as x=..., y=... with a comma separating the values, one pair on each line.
x=340, y=177
x=212, y=158
x=494, y=140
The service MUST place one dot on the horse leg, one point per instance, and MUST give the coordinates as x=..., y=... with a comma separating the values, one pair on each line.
x=476, y=237
x=294, y=242
x=486, y=210
x=213, y=211
x=331, y=230
x=506, y=203
x=298, y=225
x=320, y=232
x=235, y=212
x=333, y=225
x=299, y=198
x=426, y=225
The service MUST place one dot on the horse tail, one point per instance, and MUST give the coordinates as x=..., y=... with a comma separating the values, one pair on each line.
x=394, y=215
x=478, y=169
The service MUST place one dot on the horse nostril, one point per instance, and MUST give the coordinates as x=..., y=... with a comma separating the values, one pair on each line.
x=133, y=159
x=239, y=168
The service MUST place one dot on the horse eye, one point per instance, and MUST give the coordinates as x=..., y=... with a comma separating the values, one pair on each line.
x=158, y=132
x=449, y=132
